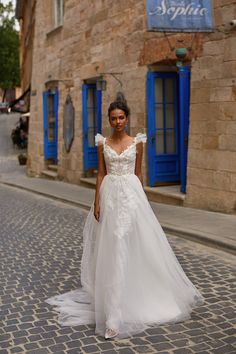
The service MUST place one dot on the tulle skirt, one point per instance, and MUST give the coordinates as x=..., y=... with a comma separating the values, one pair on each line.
x=130, y=276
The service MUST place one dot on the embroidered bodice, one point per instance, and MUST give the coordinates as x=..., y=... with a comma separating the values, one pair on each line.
x=123, y=163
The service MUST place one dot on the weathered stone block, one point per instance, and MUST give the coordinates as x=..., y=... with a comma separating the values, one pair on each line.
x=222, y=181
x=227, y=111
x=210, y=142
x=230, y=48
x=197, y=127
x=201, y=96
x=201, y=177
x=233, y=183
x=212, y=199
x=226, y=161
x=204, y=111
x=221, y=94
x=195, y=141
x=205, y=159
x=227, y=142
x=231, y=127
x=213, y=48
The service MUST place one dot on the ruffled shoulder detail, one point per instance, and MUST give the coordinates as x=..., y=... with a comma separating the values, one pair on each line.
x=140, y=138
x=99, y=139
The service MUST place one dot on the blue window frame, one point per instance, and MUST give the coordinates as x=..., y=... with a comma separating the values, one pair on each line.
x=165, y=102
x=163, y=128
x=92, y=121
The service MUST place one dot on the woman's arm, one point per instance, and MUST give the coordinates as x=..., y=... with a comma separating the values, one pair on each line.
x=138, y=162
x=101, y=173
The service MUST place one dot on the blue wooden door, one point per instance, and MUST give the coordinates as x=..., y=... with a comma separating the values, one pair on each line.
x=92, y=123
x=50, y=120
x=163, y=128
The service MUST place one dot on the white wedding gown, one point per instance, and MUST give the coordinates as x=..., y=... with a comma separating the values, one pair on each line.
x=130, y=276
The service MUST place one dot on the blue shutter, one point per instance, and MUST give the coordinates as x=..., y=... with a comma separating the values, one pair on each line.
x=184, y=106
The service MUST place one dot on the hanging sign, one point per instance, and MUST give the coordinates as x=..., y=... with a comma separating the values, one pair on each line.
x=179, y=15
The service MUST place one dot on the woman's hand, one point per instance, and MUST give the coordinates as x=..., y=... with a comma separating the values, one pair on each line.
x=96, y=211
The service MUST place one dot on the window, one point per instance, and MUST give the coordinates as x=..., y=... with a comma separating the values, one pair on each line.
x=92, y=115
x=165, y=114
x=58, y=12
x=51, y=117
x=92, y=121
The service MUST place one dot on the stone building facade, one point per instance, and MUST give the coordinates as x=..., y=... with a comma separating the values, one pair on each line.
x=25, y=13
x=76, y=44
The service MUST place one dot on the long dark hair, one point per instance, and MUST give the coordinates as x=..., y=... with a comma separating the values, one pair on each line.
x=119, y=103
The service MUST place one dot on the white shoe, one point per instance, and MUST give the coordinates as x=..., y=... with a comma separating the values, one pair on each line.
x=110, y=333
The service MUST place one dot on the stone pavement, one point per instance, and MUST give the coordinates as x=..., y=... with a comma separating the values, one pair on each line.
x=41, y=247
x=215, y=229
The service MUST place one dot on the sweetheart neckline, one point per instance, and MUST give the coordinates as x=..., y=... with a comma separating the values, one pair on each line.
x=128, y=147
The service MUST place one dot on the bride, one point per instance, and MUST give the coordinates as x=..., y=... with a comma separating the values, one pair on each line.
x=130, y=276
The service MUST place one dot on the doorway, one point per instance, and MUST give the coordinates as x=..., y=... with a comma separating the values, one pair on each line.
x=50, y=120
x=168, y=116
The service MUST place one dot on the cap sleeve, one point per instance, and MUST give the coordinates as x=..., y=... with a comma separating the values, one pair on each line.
x=99, y=139
x=140, y=138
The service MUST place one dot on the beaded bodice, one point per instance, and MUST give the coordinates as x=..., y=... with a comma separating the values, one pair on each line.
x=123, y=163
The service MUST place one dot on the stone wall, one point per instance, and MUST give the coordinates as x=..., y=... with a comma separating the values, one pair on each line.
x=212, y=138
x=103, y=37
x=26, y=43
x=110, y=36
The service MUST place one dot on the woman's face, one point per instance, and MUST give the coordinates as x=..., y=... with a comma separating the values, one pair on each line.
x=118, y=119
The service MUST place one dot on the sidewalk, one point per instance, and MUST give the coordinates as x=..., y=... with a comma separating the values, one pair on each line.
x=211, y=228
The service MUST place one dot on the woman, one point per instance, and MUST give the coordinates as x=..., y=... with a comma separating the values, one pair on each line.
x=130, y=276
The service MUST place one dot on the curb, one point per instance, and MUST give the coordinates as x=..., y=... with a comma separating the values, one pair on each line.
x=200, y=237
x=52, y=196
x=196, y=236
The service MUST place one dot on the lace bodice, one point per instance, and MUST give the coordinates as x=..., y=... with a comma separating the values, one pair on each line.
x=123, y=163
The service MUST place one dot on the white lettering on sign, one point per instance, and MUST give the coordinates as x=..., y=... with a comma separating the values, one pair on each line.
x=178, y=10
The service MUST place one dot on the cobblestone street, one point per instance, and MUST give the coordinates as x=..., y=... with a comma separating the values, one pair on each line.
x=40, y=256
